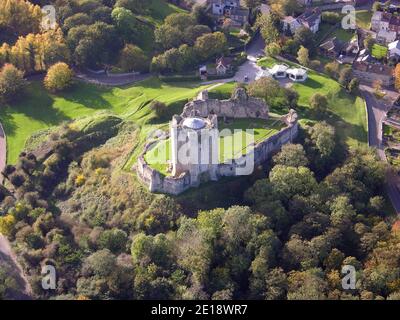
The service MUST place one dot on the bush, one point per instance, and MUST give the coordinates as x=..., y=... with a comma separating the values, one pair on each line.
x=59, y=77
x=159, y=108
x=330, y=17
x=132, y=58
x=12, y=82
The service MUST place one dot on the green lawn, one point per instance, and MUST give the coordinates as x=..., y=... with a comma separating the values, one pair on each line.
x=363, y=18
x=159, y=10
x=343, y=35
x=229, y=147
x=346, y=112
x=39, y=110
x=379, y=51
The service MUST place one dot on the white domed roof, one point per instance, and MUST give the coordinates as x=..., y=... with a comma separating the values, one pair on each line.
x=194, y=123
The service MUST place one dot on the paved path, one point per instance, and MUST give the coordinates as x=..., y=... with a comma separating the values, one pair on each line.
x=3, y=151
x=377, y=110
x=113, y=81
x=8, y=257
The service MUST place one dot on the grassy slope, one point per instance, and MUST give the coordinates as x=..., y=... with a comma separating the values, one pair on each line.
x=363, y=18
x=39, y=109
x=347, y=112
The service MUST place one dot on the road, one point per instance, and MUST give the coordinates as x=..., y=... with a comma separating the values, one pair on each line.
x=377, y=110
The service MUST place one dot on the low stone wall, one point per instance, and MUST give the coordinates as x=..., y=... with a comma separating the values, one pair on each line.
x=240, y=106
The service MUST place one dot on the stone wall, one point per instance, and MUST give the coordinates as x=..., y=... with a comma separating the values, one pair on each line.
x=239, y=106
x=156, y=182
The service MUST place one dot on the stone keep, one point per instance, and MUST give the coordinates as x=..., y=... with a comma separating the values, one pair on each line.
x=194, y=146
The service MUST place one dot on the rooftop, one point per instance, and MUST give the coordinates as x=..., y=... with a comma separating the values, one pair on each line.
x=194, y=123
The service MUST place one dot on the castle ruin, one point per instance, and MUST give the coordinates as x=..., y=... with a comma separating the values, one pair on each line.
x=196, y=130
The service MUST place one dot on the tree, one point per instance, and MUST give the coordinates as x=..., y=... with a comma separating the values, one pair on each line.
x=19, y=17
x=332, y=69
x=211, y=45
x=273, y=49
x=397, y=77
x=323, y=137
x=269, y=27
x=128, y=26
x=132, y=58
x=113, y=240
x=305, y=37
x=292, y=155
x=369, y=42
x=377, y=85
x=345, y=76
x=353, y=85
x=319, y=104
x=286, y=7
x=7, y=224
x=158, y=107
x=290, y=181
x=303, y=56
x=137, y=6
x=12, y=82
x=330, y=17
x=59, y=77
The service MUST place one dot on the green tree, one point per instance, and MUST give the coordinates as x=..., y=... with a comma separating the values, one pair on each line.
x=132, y=58
x=12, y=82
x=319, y=104
x=291, y=155
x=58, y=77
x=303, y=56
x=269, y=27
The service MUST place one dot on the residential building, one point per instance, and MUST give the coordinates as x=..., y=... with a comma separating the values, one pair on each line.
x=385, y=21
x=229, y=9
x=223, y=65
x=310, y=18
x=369, y=72
x=331, y=48
x=394, y=49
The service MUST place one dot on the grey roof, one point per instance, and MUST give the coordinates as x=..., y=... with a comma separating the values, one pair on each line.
x=194, y=123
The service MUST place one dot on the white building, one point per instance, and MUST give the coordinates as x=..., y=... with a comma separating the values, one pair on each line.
x=297, y=74
x=394, y=49
x=279, y=71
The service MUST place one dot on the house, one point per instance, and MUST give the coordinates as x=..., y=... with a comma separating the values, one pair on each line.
x=223, y=65
x=331, y=48
x=385, y=21
x=384, y=36
x=349, y=51
x=310, y=18
x=229, y=9
x=394, y=50
x=369, y=72
x=297, y=74
x=279, y=71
